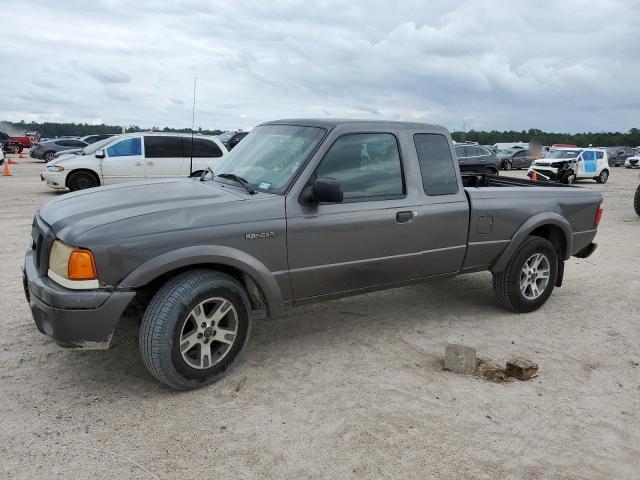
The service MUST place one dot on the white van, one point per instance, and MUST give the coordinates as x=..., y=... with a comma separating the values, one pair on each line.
x=566, y=165
x=135, y=156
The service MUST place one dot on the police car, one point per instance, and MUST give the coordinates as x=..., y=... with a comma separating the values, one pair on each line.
x=566, y=165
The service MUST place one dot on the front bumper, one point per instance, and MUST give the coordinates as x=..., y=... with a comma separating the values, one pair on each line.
x=549, y=174
x=56, y=180
x=630, y=163
x=83, y=319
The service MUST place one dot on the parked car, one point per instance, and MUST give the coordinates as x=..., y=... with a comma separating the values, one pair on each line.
x=231, y=139
x=22, y=142
x=47, y=150
x=9, y=145
x=632, y=162
x=88, y=150
x=1, y=156
x=566, y=165
x=510, y=146
x=302, y=211
x=90, y=139
x=518, y=158
x=476, y=158
x=135, y=156
x=618, y=156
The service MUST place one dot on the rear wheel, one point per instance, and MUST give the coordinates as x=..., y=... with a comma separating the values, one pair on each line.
x=568, y=177
x=194, y=328
x=636, y=201
x=507, y=165
x=48, y=156
x=603, y=177
x=81, y=181
x=530, y=276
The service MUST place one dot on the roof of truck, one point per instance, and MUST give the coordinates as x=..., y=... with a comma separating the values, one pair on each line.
x=333, y=122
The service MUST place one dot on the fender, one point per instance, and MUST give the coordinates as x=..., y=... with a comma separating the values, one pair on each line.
x=202, y=254
x=538, y=220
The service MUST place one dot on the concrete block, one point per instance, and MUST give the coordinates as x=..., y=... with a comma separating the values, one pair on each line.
x=521, y=368
x=459, y=358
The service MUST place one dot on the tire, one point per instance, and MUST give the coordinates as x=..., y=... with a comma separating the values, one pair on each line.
x=19, y=148
x=490, y=171
x=603, y=177
x=636, y=201
x=568, y=177
x=47, y=157
x=507, y=284
x=507, y=165
x=171, y=311
x=81, y=181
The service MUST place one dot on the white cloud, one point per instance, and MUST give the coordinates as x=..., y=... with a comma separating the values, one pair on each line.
x=499, y=64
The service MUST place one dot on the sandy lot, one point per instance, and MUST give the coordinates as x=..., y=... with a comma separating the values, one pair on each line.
x=348, y=389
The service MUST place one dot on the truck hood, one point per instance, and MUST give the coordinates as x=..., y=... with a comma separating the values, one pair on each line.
x=73, y=214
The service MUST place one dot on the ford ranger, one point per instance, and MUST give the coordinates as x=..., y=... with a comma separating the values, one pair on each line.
x=301, y=211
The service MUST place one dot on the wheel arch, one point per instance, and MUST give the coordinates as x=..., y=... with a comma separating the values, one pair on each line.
x=82, y=170
x=548, y=225
x=258, y=280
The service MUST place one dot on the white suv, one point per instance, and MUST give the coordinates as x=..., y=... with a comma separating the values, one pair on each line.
x=135, y=156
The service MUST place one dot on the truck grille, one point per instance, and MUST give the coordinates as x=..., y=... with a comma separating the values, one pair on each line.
x=41, y=240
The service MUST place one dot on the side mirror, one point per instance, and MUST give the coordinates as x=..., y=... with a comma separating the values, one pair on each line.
x=100, y=153
x=323, y=190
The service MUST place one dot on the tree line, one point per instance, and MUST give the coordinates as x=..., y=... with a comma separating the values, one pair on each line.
x=55, y=129
x=596, y=139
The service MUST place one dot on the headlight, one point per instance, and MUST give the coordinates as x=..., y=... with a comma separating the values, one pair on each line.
x=55, y=168
x=72, y=267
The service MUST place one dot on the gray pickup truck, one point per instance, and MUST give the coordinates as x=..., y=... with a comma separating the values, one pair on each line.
x=302, y=211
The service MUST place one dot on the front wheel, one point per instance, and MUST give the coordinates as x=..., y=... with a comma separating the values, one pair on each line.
x=507, y=165
x=49, y=156
x=194, y=328
x=82, y=180
x=636, y=201
x=603, y=177
x=530, y=276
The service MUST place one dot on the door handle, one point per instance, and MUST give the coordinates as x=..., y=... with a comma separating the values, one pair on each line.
x=149, y=163
x=405, y=217
x=138, y=163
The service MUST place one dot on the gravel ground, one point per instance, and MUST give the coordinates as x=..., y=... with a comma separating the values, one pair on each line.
x=348, y=389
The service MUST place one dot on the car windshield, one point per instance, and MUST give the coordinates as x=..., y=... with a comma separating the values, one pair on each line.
x=563, y=154
x=504, y=153
x=224, y=137
x=270, y=156
x=94, y=147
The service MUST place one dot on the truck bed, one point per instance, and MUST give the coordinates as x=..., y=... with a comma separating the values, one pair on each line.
x=479, y=180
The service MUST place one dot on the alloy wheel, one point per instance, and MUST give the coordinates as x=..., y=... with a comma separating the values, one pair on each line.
x=534, y=276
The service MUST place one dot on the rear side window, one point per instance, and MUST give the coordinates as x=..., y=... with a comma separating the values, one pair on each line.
x=436, y=164
x=471, y=151
x=125, y=148
x=484, y=151
x=599, y=155
x=201, y=148
x=162, y=147
x=367, y=165
x=459, y=151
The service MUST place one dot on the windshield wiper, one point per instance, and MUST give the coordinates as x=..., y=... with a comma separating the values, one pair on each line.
x=240, y=180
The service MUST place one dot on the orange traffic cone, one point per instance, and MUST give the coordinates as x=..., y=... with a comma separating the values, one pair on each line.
x=5, y=170
x=11, y=161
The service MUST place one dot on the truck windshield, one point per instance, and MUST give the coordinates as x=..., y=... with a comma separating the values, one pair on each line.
x=563, y=154
x=270, y=156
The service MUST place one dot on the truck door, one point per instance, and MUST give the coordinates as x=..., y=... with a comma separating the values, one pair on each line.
x=383, y=232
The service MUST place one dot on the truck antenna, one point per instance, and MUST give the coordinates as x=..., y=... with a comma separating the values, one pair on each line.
x=193, y=123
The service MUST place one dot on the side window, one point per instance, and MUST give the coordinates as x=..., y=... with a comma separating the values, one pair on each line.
x=366, y=165
x=77, y=143
x=599, y=155
x=436, y=164
x=201, y=148
x=126, y=147
x=156, y=146
x=64, y=143
x=484, y=151
x=471, y=151
x=459, y=151
x=520, y=154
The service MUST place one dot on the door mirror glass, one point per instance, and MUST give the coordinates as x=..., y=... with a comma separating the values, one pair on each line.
x=324, y=190
x=100, y=153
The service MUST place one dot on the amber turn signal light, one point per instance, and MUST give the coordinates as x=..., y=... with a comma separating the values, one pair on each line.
x=81, y=265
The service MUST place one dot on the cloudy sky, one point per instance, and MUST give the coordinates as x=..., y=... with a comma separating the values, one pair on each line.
x=494, y=64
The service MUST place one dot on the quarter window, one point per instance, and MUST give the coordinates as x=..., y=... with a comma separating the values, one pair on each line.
x=125, y=148
x=366, y=165
x=436, y=164
x=202, y=148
